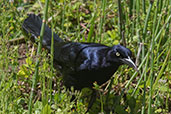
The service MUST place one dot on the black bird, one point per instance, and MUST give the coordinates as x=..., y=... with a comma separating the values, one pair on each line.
x=81, y=64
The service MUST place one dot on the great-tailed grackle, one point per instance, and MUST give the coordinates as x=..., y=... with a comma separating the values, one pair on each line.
x=81, y=64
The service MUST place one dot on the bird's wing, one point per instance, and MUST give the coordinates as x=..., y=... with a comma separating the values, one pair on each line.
x=71, y=55
x=92, y=58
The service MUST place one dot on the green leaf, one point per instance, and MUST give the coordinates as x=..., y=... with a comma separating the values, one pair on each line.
x=43, y=1
x=112, y=34
x=28, y=61
x=164, y=88
x=46, y=109
x=120, y=110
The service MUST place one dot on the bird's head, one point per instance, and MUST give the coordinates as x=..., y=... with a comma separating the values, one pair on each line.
x=121, y=55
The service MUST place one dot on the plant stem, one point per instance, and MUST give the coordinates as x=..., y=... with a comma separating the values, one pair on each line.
x=120, y=21
x=52, y=56
x=34, y=80
x=102, y=19
x=152, y=70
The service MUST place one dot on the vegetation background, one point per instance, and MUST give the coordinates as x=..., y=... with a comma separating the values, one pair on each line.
x=141, y=25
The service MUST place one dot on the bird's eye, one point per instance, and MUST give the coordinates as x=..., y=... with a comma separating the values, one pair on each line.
x=117, y=54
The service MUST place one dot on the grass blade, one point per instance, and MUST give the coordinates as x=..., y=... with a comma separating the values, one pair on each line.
x=34, y=80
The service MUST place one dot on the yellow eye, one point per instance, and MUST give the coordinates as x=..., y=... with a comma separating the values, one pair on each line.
x=117, y=54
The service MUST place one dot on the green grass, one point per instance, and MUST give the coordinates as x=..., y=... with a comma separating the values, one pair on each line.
x=140, y=22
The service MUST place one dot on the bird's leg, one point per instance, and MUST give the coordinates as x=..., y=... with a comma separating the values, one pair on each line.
x=92, y=99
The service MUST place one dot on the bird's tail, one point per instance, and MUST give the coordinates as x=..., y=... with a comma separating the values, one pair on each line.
x=32, y=25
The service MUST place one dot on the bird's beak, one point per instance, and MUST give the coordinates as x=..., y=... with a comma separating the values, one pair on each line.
x=129, y=62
